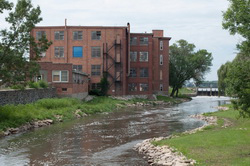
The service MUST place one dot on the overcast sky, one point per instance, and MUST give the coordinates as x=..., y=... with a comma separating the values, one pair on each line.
x=197, y=21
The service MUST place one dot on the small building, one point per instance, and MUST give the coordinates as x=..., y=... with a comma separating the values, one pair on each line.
x=67, y=81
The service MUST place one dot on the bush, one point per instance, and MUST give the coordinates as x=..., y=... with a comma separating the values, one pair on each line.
x=43, y=84
x=20, y=87
x=95, y=92
x=33, y=85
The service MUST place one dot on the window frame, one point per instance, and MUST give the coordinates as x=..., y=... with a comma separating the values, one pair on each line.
x=134, y=73
x=161, y=59
x=40, y=34
x=77, y=35
x=95, y=68
x=141, y=88
x=96, y=35
x=73, y=51
x=60, y=35
x=133, y=54
x=141, y=54
x=77, y=68
x=132, y=87
x=161, y=87
x=144, y=72
x=60, y=50
x=96, y=51
x=133, y=41
x=143, y=42
x=161, y=45
x=60, y=75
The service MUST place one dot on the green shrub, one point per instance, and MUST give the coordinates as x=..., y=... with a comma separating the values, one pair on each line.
x=43, y=84
x=19, y=86
x=95, y=92
x=33, y=85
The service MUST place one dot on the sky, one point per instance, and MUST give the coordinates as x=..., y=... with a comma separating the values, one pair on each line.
x=197, y=21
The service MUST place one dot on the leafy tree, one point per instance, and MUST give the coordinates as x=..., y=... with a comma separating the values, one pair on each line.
x=237, y=79
x=104, y=85
x=186, y=64
x=237, y=20
x=16, y=43
x=222, y=75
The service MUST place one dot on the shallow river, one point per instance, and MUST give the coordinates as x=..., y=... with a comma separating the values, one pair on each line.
x=104, y=139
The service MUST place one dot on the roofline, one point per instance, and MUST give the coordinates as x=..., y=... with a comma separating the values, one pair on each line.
x=96, y=27
x=141, y=33
x=164, y=38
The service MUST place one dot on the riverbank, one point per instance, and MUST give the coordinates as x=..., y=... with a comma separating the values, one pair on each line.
x=223, y=143
x=19, y=118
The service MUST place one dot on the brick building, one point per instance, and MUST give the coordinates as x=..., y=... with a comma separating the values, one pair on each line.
x=135, y=63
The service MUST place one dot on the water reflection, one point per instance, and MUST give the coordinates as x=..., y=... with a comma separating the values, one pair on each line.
x=105, y=139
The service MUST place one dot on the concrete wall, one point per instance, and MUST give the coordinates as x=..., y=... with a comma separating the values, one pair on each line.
x=25, y=96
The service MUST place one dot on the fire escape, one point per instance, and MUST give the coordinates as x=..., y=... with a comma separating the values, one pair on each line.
x=112, y=66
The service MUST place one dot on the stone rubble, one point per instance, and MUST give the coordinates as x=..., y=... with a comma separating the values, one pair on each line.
x=165, y=155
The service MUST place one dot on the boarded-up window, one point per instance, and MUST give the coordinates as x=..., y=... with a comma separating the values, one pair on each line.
x=160, y=74
x=96, y=35
x=59, y=35
x=77, y=35
x=95, y=52
x=77, y=52
x=59, y=52
x=95, y=70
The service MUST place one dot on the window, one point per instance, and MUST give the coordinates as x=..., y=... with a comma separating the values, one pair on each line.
x=77, y=67
x=43, y=54
x=133, y=72
x=143, y=72
x=95, y=70
x=60, y=76
x=161, y=45
x=39, y=34
x=143, y=40
x=59, y=35
x=59, y=52
x=161, y=60
x=160, y=74
x=143, y=56
x=133, y=40
x=143, y=87
x=96, y=35
x=95, y=52
x=161, y=87
x=133, y=56
x=77, y=35
x=132, y=87
x=77, y=52
x=95, y=86
x=64, y=89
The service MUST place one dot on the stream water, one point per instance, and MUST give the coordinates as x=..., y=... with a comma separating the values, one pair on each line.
x=103, y=139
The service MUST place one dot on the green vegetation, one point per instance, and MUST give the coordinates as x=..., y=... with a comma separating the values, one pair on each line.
x=14, y=116
x=234, y=77
x=16, y=42
x=186, y=64
x=217, y=145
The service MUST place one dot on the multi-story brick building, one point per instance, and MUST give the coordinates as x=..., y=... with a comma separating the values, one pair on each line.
x=135, y=63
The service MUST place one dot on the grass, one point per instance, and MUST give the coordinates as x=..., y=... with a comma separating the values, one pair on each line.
x=217, y=145
x=17, y=115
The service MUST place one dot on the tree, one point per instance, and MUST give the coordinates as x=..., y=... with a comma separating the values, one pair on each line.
x=16, y=43
x=237, y=20
x=104, y=85
x=222, y=75
x=237, y=81
x=186, y=64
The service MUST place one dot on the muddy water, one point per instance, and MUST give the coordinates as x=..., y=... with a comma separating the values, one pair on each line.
x=105, y=139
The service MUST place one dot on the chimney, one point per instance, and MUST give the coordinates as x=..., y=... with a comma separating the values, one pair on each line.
x=65, y=23
x=157, y=33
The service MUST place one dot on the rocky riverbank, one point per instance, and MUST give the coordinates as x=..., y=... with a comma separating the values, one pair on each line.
x=165, y=155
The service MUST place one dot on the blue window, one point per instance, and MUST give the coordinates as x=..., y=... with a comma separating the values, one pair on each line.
x=77, y=52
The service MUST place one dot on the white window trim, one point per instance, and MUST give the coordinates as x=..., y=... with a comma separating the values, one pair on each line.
x=161, y=59
x=60, y=75
x=161, y=45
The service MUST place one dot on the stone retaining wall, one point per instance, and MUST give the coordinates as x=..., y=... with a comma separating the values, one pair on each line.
x=25, y=96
